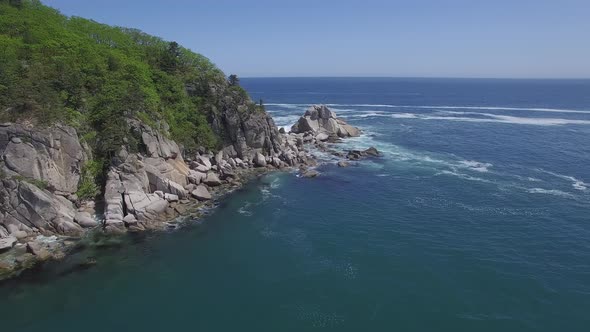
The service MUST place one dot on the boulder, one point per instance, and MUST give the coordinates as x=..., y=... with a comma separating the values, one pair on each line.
x=205, y=161
x=212, y=180
x=320, y=120
x=201, y=193
x=171, y=197
x=312, y=173
x=85, y=220
x=343, y=164
x=202, y=168
x=259, y=160
x=38, y=250
x=371, y=152
x=219, y=157
x=20, y=234
x=196, y=177
x=322, y=137
x=7, y=243
x=130, y=219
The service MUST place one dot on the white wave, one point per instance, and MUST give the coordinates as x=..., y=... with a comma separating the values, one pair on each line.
x=496, y=108
x=576, y=183
x=275, y=183
x=367, y=115
x=403, y=116
x=475, y=165
x=463, y=176
x=500, y=119
x=285, y=121
x=243, y=210
x=554, y=192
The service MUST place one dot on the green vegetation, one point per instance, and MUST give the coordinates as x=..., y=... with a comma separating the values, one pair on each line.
x=93, y=76
x=90, y=179
x=41, y=184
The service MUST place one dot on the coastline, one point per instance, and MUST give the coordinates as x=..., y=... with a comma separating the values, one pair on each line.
x=319, y=130
x=64, y=247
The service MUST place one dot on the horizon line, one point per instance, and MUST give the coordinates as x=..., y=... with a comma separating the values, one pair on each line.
x=434, y=77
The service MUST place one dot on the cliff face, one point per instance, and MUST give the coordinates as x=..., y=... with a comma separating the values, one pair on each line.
x=40, y=170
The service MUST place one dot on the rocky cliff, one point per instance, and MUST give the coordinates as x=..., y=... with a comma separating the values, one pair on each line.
x=41, y=171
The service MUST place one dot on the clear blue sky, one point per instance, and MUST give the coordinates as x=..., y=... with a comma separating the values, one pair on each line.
x=418, y=38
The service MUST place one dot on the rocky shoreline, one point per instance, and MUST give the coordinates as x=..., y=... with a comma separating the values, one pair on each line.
x=42, y=219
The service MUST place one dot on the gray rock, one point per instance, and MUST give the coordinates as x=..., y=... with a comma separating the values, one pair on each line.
x=33, y=208
x=3, y=232
x=212, y=180
x=160, y=193
x=232, y=163
x=156, y=142
x=202, y=168
x=319, y=119
x=343, y=164
x=130, y=219
x=371, y=152
x=38, y=250
x=171, y=197
x=205, y=161
x=196, y=177
x=7, y=243
x=219, y=157
x=53, y=155
x=259, y=160
x=322, y=137
x=20, y=234
x=312, y=173
x=85, y=220
x=201, y=193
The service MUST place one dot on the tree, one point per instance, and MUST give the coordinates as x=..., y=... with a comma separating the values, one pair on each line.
x=233, y=80
x=170, y=58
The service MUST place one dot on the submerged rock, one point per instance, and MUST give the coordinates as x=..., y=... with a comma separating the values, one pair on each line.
x=312, y=173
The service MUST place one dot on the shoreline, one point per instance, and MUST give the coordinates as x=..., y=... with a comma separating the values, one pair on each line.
x=141, y=193
x=73, y=256
x=62, y=247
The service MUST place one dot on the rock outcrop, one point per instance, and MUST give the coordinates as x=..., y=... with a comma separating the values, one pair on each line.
x=40, y=170
x=323, y=122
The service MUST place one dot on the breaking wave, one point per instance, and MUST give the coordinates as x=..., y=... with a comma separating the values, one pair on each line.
x=491, y=108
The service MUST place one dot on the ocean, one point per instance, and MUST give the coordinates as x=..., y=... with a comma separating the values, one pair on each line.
x=475, y=218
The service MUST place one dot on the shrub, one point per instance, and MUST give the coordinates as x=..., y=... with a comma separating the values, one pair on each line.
x=91, y=177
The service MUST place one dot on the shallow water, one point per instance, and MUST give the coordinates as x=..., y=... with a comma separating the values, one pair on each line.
x=475, y=218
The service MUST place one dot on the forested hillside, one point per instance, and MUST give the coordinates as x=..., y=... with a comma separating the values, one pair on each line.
x=93, y=76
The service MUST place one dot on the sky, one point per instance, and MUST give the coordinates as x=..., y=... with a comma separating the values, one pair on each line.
x=395, y=38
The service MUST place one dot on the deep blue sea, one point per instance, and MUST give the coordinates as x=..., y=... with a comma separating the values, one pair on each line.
x=476, y=218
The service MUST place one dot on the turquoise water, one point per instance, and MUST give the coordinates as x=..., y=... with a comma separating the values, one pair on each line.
x=475, y=218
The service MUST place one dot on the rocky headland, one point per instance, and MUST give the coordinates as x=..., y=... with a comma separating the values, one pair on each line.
x=41, y=216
